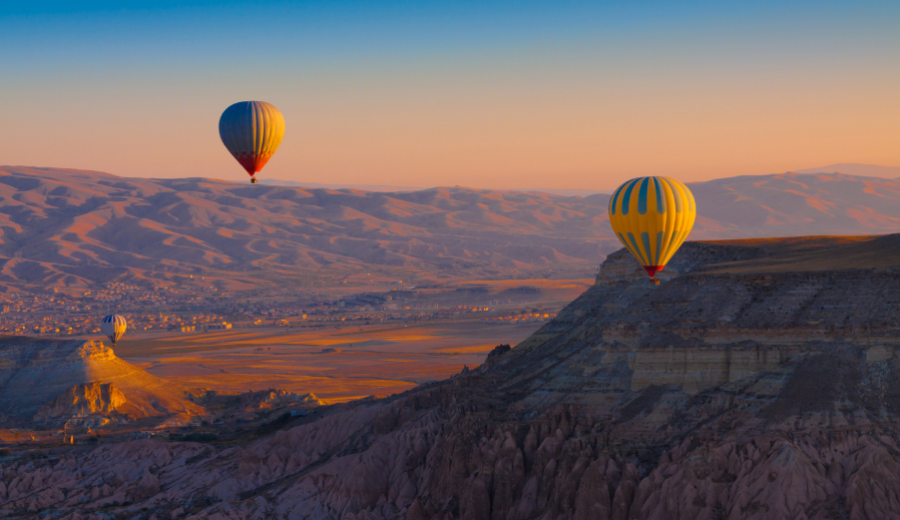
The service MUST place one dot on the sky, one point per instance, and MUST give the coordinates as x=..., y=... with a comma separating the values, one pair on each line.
x=510, y=95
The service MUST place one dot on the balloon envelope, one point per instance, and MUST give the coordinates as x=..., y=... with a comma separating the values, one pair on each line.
x=652, y=216
x=252, y=131
x=113, y=326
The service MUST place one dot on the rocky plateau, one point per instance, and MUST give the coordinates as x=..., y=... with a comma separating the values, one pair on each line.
x=760, y=380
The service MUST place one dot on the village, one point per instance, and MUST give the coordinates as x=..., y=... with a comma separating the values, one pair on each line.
x=59, y=314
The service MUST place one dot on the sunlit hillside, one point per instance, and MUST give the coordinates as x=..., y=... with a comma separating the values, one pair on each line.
x=73, y=229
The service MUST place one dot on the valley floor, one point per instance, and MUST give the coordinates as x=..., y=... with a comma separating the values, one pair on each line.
x=335, y=364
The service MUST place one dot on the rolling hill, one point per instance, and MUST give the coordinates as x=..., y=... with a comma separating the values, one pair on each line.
x=72, y=229
x=795, y=204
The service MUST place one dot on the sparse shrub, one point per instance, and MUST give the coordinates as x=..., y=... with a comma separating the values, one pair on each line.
x=4, y=452
x=93, y=439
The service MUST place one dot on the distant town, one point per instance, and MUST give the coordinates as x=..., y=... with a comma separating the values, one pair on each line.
x=173, y=309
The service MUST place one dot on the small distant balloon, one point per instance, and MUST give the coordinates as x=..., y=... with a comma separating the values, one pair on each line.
x=652, y=216
x=113, y=326
x=251, y=131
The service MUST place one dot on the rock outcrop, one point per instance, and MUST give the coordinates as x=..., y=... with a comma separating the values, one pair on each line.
x=752, y=384
x=49, y=378
x=249, y=404
x=275, y=398
x=81, y=401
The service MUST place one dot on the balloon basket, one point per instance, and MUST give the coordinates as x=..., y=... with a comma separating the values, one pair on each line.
x=654, y=281
x=253, y=180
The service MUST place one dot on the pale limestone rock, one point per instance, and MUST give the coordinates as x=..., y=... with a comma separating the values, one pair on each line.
x=34, y=373
x=82, y=400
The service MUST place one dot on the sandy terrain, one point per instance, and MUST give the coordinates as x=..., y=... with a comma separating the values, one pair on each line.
x=335, y=365
x=340, y=361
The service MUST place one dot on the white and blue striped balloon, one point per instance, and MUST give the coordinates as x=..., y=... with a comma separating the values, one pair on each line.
x=113, y=326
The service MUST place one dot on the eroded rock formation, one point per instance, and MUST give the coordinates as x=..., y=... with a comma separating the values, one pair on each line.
x=274, y=398
x=51, y=379
x=81, y=401
x=737, y=389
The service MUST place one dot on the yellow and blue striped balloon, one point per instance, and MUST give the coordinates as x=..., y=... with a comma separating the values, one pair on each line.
x=652, y=216
x=252, y=131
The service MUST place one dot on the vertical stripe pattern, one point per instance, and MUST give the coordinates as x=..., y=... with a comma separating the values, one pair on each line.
x=251, y=131
x=113, y=327
x=652, y=216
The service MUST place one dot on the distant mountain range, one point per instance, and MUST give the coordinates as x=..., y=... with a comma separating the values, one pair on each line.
x=76, y=228
x=390, y=188
x=796, y=204
x=866, y=170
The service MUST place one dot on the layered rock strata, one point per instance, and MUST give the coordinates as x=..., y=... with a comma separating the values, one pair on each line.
x=737, y=389
x=81, y=401
x=54, y=380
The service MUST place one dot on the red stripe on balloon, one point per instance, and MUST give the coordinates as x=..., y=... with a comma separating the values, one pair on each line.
x=653, y=269
x=251, y=161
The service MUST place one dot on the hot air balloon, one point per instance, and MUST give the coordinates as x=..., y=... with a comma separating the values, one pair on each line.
x=652, y=216
x=113, y=326
x=252, y=131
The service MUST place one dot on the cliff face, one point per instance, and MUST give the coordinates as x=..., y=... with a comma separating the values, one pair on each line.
x=751, y=384
x=82, y=401
x=711, y=326
x=55, y=380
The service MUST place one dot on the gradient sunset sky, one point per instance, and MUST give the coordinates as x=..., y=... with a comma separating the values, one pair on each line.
x=525, y=95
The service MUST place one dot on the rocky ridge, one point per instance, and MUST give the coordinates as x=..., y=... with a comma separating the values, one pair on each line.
x=82, y=401
x=752, y=384
x=53, y=381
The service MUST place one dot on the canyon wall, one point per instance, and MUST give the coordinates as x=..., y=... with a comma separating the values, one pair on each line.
x=739, y=388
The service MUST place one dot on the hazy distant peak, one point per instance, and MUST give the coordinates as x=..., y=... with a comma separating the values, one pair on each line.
x=363, y=187
x=863, y=170
x=574, y=192
x=74, y=229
